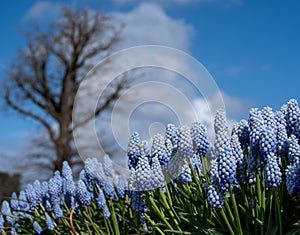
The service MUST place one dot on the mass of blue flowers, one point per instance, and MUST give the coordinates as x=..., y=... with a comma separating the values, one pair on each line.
x=261, y=145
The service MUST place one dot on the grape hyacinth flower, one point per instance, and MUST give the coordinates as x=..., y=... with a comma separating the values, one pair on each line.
x=256, y=124
x=121, y=186
x=185, y=144
x=239, y=156
x=282, y=137
x=133, y=150
x=268, y=143
x=101, y=200
x=109, y=191
x=57, y=211
x=138, y=204
x=171, y=139
x=224, y=155
x=294, y=150
x=32, y=196
x=6, y=211
x=292, y=116
x=1, y=223
x=159, y=150
x=273, y=175
x=37, y=228
x=196, y=164
x=185, y=174
x=146, y=151
x=14, y=202
x=49, y=222
x=106, y=212
x=94, y=173
x=269, y=117
x=242, y=130
x=83, y=195
x=55, y=186
x=184, y=152
x=200, y=138
x=108, y=166
x=143, y=173
x=215, y=196
x=23, y=203
x=157, y=175
x=292, y=174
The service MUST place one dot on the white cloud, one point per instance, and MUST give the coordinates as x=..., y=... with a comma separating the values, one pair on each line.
x=149, y=24
x=42, y=10
x=171, y=3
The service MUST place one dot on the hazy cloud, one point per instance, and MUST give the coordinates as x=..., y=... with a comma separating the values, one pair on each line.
x=148, y=23
x=42, y=10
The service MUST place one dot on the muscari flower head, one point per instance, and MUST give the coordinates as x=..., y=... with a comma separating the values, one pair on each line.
x=49, y=222
x=133, y=150
x=1, y=223
x=32, y=196
x=185, y=144
x=294, y=150
x=82, y=194
x=159, y=150
x=57, y=210
x=273, y=175
x=268, y=142
x=239, y=156
x=55, y=186
x=23, y=203
x=67, y=171
x=6, y=211
x=185, y=174
x=215, y=196
x=197, y=164
x=106, y=212
x=184, y=152
x=256, y=124
x=282, y=137
x=292, y=116
x=94, y=173
x=109, y=191
x=121, y=185
x=37, y=228
x=242, y=130
x=213, y=173
x=237, y=150
x=171, y=139
x=101, y=200
x=292, y=174
x=224, y=155
x=157, y=174
x=143, y=173
x=200, y=138
x=138, y=203
x=269, y=117
x=108, y=166
x=14, y=202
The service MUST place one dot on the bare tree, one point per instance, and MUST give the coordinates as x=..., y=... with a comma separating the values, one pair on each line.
x=43, y=80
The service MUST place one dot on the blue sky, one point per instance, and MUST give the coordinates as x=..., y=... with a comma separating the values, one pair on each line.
x=251, y=48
